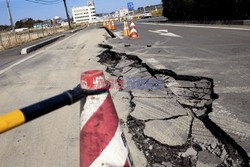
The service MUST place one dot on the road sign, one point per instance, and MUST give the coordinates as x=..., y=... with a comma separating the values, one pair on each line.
x=130, y=5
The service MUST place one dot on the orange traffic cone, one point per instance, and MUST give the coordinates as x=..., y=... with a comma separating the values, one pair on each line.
x=126, y=29
x=113, y=25
x=109, y=25
x=104, y=23
x=101, y=136
x=133, y=33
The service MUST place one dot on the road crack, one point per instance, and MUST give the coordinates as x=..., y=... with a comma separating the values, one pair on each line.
x=195, y=95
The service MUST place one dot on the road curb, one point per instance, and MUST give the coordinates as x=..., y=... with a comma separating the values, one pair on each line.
x=110, y=32
x=79, y=29
x=39, y=45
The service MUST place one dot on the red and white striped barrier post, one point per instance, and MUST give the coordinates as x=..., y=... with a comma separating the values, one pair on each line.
x=102, y=142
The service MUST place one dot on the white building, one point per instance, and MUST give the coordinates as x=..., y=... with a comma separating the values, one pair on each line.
x=123, y=12
x=21, y=29
x=84, y=13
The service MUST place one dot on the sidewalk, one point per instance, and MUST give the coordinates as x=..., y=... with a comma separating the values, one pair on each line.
x=52, y=140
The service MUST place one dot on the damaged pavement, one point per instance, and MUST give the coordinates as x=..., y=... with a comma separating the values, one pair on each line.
x=172, y=124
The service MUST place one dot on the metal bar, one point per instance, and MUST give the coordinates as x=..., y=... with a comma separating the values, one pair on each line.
x=18, y=117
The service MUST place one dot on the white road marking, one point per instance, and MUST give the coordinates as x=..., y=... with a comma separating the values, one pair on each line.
x=155, y=63
x=199, y=26
x=33, y=55
x=117, y=34
x=165, y=33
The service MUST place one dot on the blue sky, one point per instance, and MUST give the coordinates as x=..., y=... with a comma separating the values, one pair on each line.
x=22, y=9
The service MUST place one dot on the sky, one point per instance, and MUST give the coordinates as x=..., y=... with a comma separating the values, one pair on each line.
x=23, y=9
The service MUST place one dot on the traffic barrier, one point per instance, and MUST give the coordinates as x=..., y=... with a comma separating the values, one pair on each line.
x=109, y=25
x=113, y=25
x=126, y=29
x=102, y=142
x=104, y=23
x=133, y=33
x=132, y=24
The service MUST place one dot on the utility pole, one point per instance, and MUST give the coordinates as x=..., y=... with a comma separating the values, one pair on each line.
x=10, y=17
x=66, y=9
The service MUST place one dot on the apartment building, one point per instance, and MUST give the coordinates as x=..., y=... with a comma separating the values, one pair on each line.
x=85, y=14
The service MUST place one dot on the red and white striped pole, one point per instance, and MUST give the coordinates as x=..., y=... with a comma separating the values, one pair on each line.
x=102, y=142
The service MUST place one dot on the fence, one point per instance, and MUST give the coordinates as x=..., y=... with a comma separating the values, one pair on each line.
x=8, y=40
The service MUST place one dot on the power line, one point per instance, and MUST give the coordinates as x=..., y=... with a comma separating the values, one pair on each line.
x=45, y=2
x=51, y=2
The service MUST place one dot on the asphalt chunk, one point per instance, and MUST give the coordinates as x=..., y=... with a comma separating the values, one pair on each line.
x=172, y=132
x=161, y=108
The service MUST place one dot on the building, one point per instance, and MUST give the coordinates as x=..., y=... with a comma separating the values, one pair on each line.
x=114, y=14
x=84, y=13
x=64, y=23
x=123, y=12
x=153, y=7
x=57, y=21
x=43, y=24
x=21, y=29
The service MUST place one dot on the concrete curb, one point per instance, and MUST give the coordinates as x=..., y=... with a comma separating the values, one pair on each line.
x=79, y=29
x=110, y=32
x=39, y=45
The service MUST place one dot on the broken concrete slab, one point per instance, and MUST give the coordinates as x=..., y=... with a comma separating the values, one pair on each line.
x=206, y=158
x=238, y=130
x=137, y=155
x=189, y=152
x=124, y=63
x=172, y=132
x=137, y=73
x=199, y=112
x=199, y=83
x=156, y=108
x=201, y=135
x=155, y=93
x=228, y=122
x=122, y=104
x=167, y=164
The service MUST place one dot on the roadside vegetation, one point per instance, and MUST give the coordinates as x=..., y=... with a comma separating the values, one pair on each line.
x=206, y=9
x=156, y=13
x=8, y=40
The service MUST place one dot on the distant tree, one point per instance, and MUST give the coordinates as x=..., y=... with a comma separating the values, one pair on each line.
x=19, y=24
x=4, y=27
x=27, y=23
x=38, y=21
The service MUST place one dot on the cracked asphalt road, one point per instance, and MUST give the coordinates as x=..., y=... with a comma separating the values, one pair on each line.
x=221, y=56
x=186, y=123
x=52, y=140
